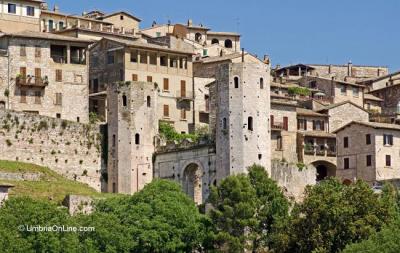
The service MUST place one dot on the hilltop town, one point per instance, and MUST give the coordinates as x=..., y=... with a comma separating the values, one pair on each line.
x=106, y=102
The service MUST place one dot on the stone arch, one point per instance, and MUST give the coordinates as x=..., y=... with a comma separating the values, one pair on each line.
x=2, y=105
x=228, y=43
x=324, y=170
x=192, y=181
x=214, y=41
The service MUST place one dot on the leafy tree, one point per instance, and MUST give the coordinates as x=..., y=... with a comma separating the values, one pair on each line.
x=18, y=213
x=333, y=215
x=247, y=210
x=160, y=218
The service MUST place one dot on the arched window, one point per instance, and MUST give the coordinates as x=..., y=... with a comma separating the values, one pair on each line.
x=228, y=43
x=2, y=105
x=261, y=83
x=250, y=123
x=148, y=101
x=214, y=41
x=137, y=139
x=197, y=37
x=124, y=100
x=224, y=124
x=236, y=82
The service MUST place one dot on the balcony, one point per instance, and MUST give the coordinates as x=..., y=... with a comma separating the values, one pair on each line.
x=278, y=126
x=184, y=95
x=59, y=59
x=31, y=81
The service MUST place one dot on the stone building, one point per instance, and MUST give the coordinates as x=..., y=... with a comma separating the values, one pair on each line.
x=132, y=127
x=368, y=151
x=46, y=74
x=382, y=81
x=391, y=100
x=347, y=73
x=114, y=60
x=20, y=15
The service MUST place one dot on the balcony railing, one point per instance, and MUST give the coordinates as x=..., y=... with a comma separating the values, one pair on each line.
x=278, y=126
x=31, y=81
x=59, y=59
x=319, y=152
x=78, y=60
x=184, y=95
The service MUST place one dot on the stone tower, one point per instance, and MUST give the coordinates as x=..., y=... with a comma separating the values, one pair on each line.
x=242, y=100
x=132, y=125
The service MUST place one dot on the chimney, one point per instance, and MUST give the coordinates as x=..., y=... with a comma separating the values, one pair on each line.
x=266, y=59
x=349, y=69
x=56, y=8
x=242, y=54
x=190, y=23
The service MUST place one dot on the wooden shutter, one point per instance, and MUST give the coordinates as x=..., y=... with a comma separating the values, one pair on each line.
x=22, y=71
x=58, y=98
x=38, y=73
x=166, y=84
x=272, y=120
x=58, y=75
x=183, y=114
x=149, y=79
x=285, y=123
x=166, y=111
x=134, y=77
x=38, y=51
x=183, y=88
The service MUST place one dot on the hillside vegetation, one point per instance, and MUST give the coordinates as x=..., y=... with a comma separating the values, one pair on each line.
x=51, y=186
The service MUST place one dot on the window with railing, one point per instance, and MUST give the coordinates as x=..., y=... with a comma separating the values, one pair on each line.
x=58, y=53
x=78, y=55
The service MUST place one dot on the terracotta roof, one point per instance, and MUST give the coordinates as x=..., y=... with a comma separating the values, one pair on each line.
x=372, y=97
x=386, y=87
x=331, y=106
x=220, y=58
x=321, y=134
x=336, y=81
x=307, y=112
x=223, y=33
x=276, y=102
x=134, y=43
x=386, y=76
x=75, y=16
x=47, y=36
x=375, y=125
x=128, y=36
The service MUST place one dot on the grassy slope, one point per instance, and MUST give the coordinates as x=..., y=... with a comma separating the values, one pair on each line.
x=52, y=186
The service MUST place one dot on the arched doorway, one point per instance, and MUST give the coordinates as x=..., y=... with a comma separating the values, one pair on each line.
x=324, y=170
x=192, y=183
x=228, y=43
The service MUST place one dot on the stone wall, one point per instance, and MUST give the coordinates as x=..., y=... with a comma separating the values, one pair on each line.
x=391, y=98
x=20, y=176
x=69, y=148
x=77, y=204
x=341, y=115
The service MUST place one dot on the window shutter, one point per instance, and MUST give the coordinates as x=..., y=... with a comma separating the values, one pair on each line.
x=166, y=111
x=38, y=73
x=183, y=88
x=149, y=79
x=272, y=120
x=134, y=77
x=166, y=84
x=58, y=75
x=285, y=123
x=22, y=71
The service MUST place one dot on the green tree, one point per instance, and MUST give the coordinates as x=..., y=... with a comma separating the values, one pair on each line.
x=333, y=215
x=160, y=218
x=247, y=210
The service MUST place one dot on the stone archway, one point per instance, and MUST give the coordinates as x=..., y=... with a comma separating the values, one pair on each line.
x=192, y=182
x=324, y=170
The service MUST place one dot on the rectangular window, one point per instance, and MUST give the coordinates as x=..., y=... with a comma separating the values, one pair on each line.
x=23, y=96
x=143, y=57
x=163, y=60
x=166, y=84
x=22, y=50
x=369, y=160
x=38, y=95
x=183, y=88
x=346, y=142
x=58, y=99
x=58, y=115
x=205, y=52
x=388, y=140
x=134, y=55
x=12, y=8
x=134, y=77
x=149, y=79
x=279, y=144
x=110, y=58
x=22, y=72
x=166, y=111
x=346, y=162
x=51, y=25
x=158, y=34
x=38, y=51
x=153, y=58
x=61, y=25
x=343, y=89
x=183, y=114
x=388, y=161
x=301, y=124
x=30, y=11
x=368, y=139
x=356, y=91
x=59, y=75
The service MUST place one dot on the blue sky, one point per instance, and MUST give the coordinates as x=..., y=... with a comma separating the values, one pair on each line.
x=290, y=31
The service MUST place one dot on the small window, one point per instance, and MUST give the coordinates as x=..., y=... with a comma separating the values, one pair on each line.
x=59, y=75
x=388, y=161
x=124, y=100
x=183, y=114
x=38, y=95
x=23, y=96
x=166, y=111
x=148, y=101
x=369, y=160
x=134, y=56
x=58, y=115
x=51, y=25
x=38, y=51
x=78, y=119
x=137, y=139
x=388, y=140
x=261, y=83
x=228, y=43
x=279, y=144
x=250, y=123
x=346, y=142
x=121, y=17
x=58, y=99
x=166, y=84
x=214, y=41
x=158, y=34
x=356, y=91
x=22, y=50
x=343, y=89
x=163, y=61
x=205, y=52
x=113, y=140
x=30, y=11
x=61, y=25
x=346, y=163
x=236, y=82
x=134, y=77
x=149, y=79
x=12, y=8
x=224, y=124
x=368, y=139
x=259, y=156
x=110, y=58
